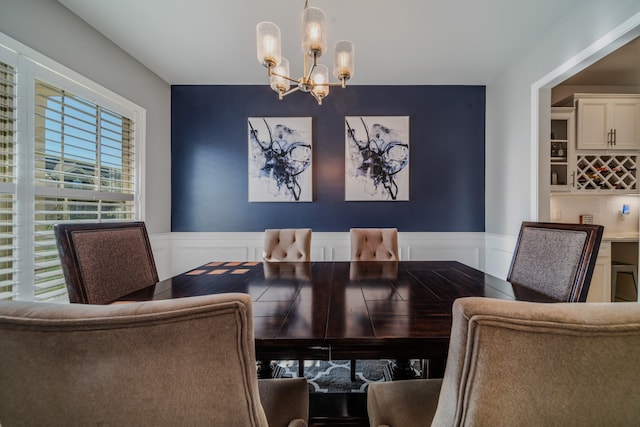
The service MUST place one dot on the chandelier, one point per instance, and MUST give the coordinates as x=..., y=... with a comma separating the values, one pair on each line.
x=315, y=79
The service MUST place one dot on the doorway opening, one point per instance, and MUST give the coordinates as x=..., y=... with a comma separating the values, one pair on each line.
x=568, y=78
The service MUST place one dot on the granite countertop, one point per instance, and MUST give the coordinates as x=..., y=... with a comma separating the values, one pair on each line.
x=622, y=236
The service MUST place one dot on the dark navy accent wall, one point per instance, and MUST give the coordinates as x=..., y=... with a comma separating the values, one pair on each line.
x=209, y=165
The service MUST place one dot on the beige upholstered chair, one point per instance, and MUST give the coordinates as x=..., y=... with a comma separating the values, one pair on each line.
x=374, y=244
x=180, y=362
x=514, y=363
x=105, y=261
x=287, y=244
x=555, y=260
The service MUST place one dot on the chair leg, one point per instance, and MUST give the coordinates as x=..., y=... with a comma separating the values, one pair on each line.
x=353, y=369
x=433, y=368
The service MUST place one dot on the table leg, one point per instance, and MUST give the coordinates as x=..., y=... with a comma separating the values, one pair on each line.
x=400, y=369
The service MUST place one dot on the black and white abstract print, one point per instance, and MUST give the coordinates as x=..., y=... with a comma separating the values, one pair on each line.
x=280, y=152
x=377, y=158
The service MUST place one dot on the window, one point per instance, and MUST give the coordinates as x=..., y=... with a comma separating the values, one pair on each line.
x=7, y=180
x=78, y=162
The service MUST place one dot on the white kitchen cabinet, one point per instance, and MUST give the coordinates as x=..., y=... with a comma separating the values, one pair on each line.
x=600, y=288
x=608, y=122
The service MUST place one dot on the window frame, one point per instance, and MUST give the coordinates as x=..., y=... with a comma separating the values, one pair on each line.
x=30, y=66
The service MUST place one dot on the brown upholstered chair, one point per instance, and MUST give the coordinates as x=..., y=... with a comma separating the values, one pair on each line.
x=374, y=244
x=188, y=361
x=514, y=363
x=287, y=244
x=555, y=260
x=105, y=261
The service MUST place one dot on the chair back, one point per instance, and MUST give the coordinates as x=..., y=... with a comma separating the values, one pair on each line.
x=522, y=363
x=374, y=244
x=556, y=260
x=188, y=361
x=105, y=261
x=287, y=244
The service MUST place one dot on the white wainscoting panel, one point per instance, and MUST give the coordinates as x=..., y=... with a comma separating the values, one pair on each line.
x=468, y=248
x=498, y=252
x=161, y=247
x=176, y=253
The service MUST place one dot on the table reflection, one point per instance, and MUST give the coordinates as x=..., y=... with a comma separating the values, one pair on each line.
x=287, y=270
x=363, y=270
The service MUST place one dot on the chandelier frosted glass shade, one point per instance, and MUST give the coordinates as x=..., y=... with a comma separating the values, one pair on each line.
x=279, y=83
x=320, y=79
x=314, y=32
x=269, y=43
x=343, y=66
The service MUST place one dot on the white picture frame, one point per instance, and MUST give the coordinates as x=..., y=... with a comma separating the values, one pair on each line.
x=377, y=158
x=280, y=159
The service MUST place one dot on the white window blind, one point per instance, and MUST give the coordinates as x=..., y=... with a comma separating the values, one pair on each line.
x=69, y=151
x=84, y=171
x=8, y=261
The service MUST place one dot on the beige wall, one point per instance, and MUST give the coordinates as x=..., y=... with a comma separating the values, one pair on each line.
x=52, y=30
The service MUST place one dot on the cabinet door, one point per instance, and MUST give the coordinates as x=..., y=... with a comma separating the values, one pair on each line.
x=592, y=124
x=600, y=288
x=625, y=114
x=608, y=123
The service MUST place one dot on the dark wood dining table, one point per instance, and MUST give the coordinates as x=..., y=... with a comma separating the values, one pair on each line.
x=344, y=310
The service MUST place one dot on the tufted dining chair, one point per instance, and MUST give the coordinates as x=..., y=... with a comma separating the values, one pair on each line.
x=516, y=363
x=374, y=244
x=185, y=361
x=102, y=262
x=555, y=260
x=287, y=244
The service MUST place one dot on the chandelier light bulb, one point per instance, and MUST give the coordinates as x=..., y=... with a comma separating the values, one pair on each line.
x=314, y=37
x=343, y=59
x=269, y=45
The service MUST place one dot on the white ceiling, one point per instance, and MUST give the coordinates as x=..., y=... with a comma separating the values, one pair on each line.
x=397, y=42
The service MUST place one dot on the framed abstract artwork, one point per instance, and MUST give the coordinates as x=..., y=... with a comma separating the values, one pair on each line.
x=377, y=158
x=280, y=154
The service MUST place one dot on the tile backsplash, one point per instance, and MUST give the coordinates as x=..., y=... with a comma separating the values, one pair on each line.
x=606, y=210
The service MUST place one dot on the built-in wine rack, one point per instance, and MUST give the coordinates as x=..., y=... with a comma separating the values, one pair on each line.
x=606, y=172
